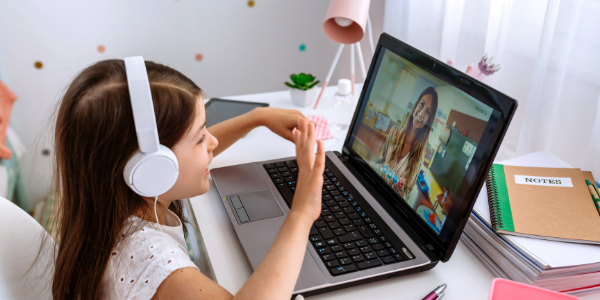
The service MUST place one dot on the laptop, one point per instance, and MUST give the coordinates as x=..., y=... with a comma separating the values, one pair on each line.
x=385, y=212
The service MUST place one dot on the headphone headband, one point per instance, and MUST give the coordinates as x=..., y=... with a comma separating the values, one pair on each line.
x=141, y=102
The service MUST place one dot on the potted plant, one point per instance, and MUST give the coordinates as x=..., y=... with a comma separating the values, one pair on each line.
x=302, y=90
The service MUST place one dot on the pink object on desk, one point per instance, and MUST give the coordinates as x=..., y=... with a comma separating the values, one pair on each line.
x=322, y=127
x=502, y=289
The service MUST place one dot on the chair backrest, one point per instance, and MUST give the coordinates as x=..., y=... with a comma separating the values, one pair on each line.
x=20, y=238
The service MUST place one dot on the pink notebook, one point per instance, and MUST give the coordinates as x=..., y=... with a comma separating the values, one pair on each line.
x=503, y=289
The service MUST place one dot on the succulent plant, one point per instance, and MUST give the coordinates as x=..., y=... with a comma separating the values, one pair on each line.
x=302, y=81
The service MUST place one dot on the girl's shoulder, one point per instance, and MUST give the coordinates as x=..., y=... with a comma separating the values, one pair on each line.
x=143, y=258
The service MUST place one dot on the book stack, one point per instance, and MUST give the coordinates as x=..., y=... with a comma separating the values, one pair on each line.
x=567, y=267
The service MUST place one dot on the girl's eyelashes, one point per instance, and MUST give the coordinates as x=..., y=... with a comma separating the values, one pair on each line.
x=202, y=139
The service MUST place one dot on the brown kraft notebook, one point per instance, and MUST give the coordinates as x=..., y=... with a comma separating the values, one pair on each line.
x=545, y=203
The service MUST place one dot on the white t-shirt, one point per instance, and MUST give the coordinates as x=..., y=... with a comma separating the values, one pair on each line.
x=140, y=262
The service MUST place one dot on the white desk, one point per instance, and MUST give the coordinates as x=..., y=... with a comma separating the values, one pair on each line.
x=465, y=276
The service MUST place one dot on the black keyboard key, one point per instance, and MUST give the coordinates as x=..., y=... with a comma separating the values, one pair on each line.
x=398, y=257
x=358, y=208
x=339, y=231
x=389, y=245
x=358, y=258
x=324, y=250
x=378, y=247
x=330, y=174
x=333, y=263
x=371, y=241
x=350, y=236
x=349, y=246
x=290, y=163
x=339, y=198
x=324, y=177
x=382, y=252
x=363, y=215
x=284, y=169
x=348, y=209
x=324, y=192
x=369, y=264
x=272, y=171
x=350, y=199
x=388, y=260
x=334, y=193
x=315, y=238
x=339, y=215
x=288, y=178
x=291, y=183
x=278, y=180
x=325, y=212
x=393, y=250
x=326, y=232
x=328, y=218
x=377, y=232
x=320, y=224
x=353, y=252
x=345, y=261
x=332, y=242
x=319, y=244
x=344, y=204
x=326, y=170
x=349, y=227
x=294, y=170
x=366, y=249
x=344, y=221
x=353, y=216
x=370, y=255
x=331, y=188
x=269, y=166
x=333, y=225
x=275, y=175
x=343, y=269
x=338, y=184
x=330, y=202
x=382, y=238
x=358, y=222
x=368, y=220
x=345, y=193
x=335, y=209
x=364, y=230
x=279, y=164
x=313, y=230
x=361, y=243
x=372, y=226
x=326, y=197
x=327, y=257
x=337, y=248
x=354, y=204
x=327, y=182
x=333, y=179
x=341, y=254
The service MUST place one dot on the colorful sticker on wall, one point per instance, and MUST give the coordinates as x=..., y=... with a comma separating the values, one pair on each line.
x=38, y=64
x=250, y=3
x=101, y=48
x=302, y=47
x=199, y=57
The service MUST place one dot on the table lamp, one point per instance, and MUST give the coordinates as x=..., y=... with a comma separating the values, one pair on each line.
x=345, y=23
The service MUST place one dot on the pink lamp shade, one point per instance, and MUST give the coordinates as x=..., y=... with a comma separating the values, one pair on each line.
x=346, y=20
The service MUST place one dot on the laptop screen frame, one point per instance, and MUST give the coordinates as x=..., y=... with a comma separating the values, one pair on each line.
x=504, y=108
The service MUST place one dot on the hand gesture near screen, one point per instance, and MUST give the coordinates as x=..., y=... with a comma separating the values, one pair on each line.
x=307, y=199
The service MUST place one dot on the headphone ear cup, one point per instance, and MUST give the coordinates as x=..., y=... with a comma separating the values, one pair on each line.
x=152, y=174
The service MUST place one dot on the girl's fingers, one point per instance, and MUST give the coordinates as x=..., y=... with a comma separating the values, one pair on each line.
x=320, y=158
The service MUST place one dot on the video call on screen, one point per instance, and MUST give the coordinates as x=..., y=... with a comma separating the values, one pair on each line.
x=419, y=134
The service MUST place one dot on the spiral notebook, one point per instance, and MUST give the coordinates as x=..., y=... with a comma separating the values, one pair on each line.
x=545, y=203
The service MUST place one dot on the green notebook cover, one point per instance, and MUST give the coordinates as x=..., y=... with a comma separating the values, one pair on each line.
x=497, y=191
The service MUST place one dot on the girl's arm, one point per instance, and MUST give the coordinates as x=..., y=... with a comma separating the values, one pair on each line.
x=280, y=121
x=276, y=275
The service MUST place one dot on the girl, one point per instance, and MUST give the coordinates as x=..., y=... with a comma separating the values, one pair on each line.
x=110, y=246
x=403, y=151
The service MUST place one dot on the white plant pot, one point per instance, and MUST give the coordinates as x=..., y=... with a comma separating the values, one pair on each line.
x=303, y=98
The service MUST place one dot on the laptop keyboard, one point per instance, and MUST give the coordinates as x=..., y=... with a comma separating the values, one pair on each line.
x=344, y=236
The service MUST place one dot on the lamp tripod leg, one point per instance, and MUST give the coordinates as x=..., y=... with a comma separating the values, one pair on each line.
x=352, y=67
x=370, y=31
x=333, y=64
x=363, y=72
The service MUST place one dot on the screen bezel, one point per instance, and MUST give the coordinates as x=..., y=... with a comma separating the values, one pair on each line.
x=485, y=153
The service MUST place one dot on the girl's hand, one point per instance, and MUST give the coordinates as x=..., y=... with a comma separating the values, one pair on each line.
x=307, y=199
x=280, y=121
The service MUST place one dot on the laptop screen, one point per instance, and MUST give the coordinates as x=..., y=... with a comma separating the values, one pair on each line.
x=419, y=134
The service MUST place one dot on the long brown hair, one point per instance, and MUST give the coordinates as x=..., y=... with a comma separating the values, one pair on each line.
x=94, y=138
x=419, y=147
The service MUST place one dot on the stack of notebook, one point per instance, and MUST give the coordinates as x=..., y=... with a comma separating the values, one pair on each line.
x=568, y=267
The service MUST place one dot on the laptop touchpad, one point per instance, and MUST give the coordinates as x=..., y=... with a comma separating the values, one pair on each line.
x=254, y=206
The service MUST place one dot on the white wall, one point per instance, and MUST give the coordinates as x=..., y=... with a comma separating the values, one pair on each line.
x=245, y=50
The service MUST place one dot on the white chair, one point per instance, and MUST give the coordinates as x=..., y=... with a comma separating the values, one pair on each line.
x=20, y=237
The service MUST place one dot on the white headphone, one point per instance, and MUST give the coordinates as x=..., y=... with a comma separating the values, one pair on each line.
x=153, y=169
